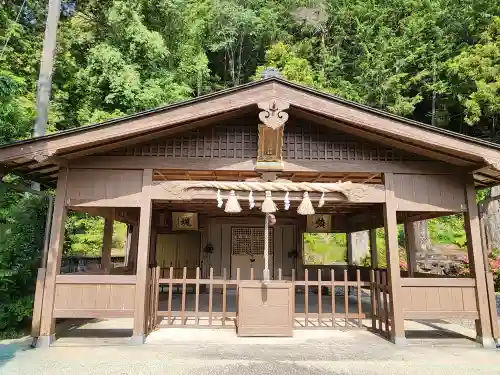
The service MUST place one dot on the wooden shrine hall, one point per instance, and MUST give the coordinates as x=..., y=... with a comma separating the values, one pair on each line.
x=218, y=192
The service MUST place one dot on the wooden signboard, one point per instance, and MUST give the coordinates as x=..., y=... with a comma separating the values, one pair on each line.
x=184, y=221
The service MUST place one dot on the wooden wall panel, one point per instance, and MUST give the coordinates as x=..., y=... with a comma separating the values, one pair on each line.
x=219, y=235
x=429, y=193
x=447, y=298
x=215, y=238
x=104, y=187
x=238, y=139
x=94, y=300
x=289, y=242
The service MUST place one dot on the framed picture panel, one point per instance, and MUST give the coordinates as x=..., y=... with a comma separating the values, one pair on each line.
x=184, y=221
x=319, y=223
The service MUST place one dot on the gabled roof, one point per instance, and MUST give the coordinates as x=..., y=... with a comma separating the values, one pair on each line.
x=38, y=158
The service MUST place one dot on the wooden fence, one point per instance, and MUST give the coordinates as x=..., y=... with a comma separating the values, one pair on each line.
x=380, y=302
x=321, y=301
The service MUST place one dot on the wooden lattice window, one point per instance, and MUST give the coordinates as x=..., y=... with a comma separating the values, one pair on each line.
x=249, y=241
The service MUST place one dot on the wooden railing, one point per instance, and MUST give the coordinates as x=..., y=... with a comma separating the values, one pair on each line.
x=380, y=302
x=319, y=316
x=212, y=302
x=152, y=299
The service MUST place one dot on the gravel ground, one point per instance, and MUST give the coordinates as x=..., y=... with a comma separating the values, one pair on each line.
x=200, y=352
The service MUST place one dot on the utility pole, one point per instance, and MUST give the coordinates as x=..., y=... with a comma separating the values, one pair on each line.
x=44, y=83
x=46, y=66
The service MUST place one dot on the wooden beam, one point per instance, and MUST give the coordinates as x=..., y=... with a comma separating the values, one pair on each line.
x=370, y=178
x=477, y=265
x=51, y=159
x=367, y=219
x=47, y=326
x=183, y=191
x=235, y=164
x=393, y=273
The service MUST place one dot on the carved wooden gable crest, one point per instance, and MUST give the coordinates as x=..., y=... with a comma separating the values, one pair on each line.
x=270, y=149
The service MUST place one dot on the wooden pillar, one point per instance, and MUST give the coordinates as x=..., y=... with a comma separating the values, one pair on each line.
x=350, y=252
x=393, y=272
x=53, y=267
x=139, y=330
x=152, y=247
x=134, y=243
x=128, y=241
x=107, y=239
x=477, y=265
x=373, y=248
x=411, y=248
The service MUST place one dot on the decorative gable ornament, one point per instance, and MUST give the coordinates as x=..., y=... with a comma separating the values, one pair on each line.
x=273, y=113
x=273, y=118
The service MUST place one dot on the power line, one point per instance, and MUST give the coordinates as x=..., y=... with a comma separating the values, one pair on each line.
x=9, y=35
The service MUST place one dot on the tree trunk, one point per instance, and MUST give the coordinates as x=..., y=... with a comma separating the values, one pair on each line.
x=422, y=235
x=359, y=246
x=492, y=221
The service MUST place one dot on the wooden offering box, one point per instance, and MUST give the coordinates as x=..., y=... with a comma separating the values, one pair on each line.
x=265, y=310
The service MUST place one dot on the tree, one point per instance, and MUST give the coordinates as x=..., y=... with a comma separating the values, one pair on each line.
x=16, y=110
x=20, y=248
x=477, y=70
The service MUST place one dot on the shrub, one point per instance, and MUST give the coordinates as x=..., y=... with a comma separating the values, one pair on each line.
x=20, y=248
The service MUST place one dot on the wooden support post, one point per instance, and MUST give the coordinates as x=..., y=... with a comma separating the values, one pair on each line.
x=128, y=241
x=47, y=323
x=397, y=334
x=373, y=248
x=134, y=243
x=350, y=250
x=477, y=265
x=107, y=239
x=411, y=248
x=139, y=330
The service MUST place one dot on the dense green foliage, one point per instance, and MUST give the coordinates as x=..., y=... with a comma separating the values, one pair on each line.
x=437, y=61
x=21, y=238
x=84, y=235
x=325, y=248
